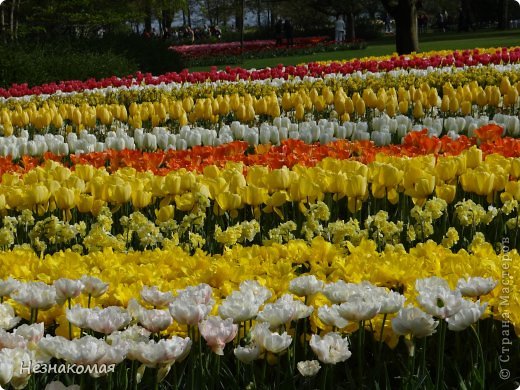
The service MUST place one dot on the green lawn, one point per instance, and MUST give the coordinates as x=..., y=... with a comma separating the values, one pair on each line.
x=428, y=42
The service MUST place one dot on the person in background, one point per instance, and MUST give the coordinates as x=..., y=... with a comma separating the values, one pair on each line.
x=288, y=28
x=388, y=23
x=216, y=32
x=339, y=28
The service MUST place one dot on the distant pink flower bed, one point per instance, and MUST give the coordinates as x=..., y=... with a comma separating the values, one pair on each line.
x=233, y=48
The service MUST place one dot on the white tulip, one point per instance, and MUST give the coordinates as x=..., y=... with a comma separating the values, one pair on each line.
x=150, y=142
x=93, y=286
x=7, y=286
x=330, y=316
x=31, y=333
x=165, y=351
x=155, y=297
x=67, y=289
x=469, y=313
x=272, y=342
x=56, y=385
x=360, y=308
x=218, y=332
x=308, y=368
x=331, y=348
x=248, y=353
x=35, y=295
x=107, y=320
x=413, y=321
x=476, y=286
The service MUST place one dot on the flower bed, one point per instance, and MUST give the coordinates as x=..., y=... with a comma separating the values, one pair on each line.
x=234, y=48
x=291, y=227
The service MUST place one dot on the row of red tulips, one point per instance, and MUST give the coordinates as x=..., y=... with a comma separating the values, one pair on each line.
x=455, y=58
x=234, y=48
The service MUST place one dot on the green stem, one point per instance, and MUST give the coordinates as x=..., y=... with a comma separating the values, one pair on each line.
x=324, y=377
x=440, y=355
x=200, y=353
x=264, y=370
x=70, y=325
x=175, y=379
x=481, y=353
x=423, y=359
x=134, y=375
x=361, y=337
x=34, y=316
x=217, y=370
x=304, y=334
x=380, y=349
x=411, y=367
x=156, y=380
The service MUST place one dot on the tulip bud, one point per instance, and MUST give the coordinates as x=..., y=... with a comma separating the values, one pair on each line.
x=418, y=110
x=403, y=107
x=360, y=107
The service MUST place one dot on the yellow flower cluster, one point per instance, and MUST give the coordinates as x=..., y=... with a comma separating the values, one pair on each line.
x=87, y=189
x=273, y=266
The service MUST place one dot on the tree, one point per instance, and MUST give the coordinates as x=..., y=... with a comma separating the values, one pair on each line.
x=405, y=14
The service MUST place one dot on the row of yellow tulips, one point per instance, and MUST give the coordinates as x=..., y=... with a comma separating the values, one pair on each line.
x=234, y=187
x=317, y=97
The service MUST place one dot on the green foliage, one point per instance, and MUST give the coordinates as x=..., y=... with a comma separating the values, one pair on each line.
x=84, y=59
x=150, y=55
x=40, y=64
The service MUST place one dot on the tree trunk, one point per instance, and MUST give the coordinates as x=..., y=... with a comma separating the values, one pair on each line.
x=258, y=14
x=13, y=4
x=239, y=15
x=405, y=15
x=148, y=16
x=16, y=20
x=167, y=19
x=2, y=26
x=351, y=24
x=503, y=18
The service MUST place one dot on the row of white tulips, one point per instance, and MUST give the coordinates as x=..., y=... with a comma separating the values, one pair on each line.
x=382, y=130
x=127, y=332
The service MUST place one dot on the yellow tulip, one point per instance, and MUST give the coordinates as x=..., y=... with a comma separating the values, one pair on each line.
x=85, y=203
x=84, y=172
x=446, y=168
x=465, y=107
x=120, y=193
x=418, y=110
x=65, y=198
x=403, y=107
x=473, y=157
x=165, y=213
x=356, y=186
x=482, y=98
x=360, y=107
x=515, y=167
x=141, y=199
x=253, y=195
x=185, y=202
x=39, y=194
x=279, y=179
x=446, y=192
x=479, y=182
x=228, y=201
